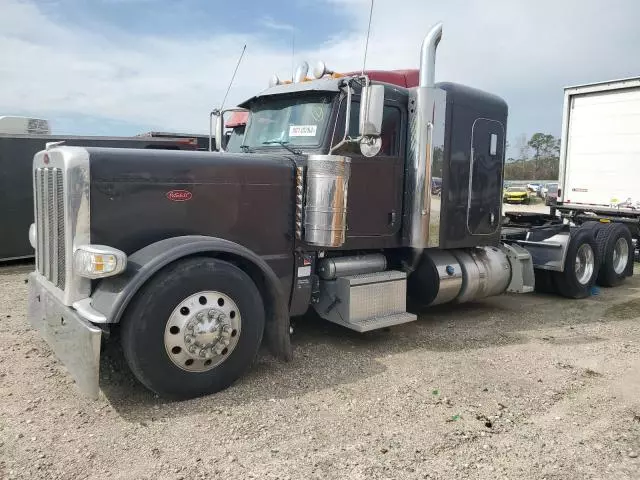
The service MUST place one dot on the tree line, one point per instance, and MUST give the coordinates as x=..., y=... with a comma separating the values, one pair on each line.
x=537, y=158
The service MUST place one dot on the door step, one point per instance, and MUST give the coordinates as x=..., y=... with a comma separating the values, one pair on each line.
x=374, y=323
x=365, y=302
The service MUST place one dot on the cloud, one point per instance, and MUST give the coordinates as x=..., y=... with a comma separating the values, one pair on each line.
x=272, y=24
x=523, y=51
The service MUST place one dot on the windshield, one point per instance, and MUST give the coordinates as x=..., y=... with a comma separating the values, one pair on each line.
x=517, y=190
x=298, y=121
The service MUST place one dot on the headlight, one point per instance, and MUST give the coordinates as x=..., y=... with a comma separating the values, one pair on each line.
x=32, y=235
x=98, y=261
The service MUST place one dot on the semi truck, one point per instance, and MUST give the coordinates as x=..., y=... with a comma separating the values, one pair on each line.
x=20, y=139
x=193, y=258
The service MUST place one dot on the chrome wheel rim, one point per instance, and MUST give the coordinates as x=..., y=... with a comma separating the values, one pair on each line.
x=584, y=264
x=620, y=255
x=202, y=331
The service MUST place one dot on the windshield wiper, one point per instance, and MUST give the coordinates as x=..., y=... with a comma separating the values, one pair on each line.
x=245, y=149
x=284, y=144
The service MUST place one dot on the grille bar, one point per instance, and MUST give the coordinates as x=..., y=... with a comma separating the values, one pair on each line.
x=49, y=201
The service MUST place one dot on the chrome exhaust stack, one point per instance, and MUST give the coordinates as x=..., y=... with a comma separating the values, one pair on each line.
x=428, y=56
x=425, y=103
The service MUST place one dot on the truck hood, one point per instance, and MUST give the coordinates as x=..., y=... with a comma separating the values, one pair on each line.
x=142, y=196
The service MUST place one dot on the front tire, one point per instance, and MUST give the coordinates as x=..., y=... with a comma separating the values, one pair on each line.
x=194, y=328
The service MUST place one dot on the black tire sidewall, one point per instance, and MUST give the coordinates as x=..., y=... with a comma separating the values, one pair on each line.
x=144, y=323
x=566, y=281
x=608, y=276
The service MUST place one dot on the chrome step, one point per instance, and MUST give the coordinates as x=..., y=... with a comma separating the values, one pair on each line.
x=374, y=323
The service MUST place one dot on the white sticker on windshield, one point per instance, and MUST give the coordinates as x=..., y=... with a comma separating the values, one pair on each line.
x=302, y=130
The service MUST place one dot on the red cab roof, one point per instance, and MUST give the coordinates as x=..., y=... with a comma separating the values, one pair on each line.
x=237, y=119
x=403, y=78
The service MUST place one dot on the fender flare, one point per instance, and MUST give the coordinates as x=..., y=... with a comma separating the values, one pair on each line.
x=112, y=295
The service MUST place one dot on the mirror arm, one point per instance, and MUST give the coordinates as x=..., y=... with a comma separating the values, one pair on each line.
x=347, y=121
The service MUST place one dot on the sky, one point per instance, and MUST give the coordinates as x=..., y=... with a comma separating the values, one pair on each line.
x=123, y=67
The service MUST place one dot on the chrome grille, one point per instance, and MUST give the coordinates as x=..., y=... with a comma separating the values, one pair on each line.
x=50, y=227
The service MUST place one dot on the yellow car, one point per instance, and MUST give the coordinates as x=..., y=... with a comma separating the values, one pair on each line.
x=517, y=195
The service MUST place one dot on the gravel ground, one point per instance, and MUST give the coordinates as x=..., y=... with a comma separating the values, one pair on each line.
x=528, y=386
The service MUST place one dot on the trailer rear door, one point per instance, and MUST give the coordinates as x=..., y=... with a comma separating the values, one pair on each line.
x=602, y=165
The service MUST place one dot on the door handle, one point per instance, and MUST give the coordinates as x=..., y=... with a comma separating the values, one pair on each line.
x=392, y=218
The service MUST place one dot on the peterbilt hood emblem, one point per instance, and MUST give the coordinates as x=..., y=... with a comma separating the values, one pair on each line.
x=179, y=195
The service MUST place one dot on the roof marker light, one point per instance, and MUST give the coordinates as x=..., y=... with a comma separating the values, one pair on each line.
x=301, y=72
x=274, y=80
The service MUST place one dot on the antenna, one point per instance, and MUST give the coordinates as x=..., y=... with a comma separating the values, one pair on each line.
x=233, y=77
x=366, y=45
x=293, y=51
x=219, y=111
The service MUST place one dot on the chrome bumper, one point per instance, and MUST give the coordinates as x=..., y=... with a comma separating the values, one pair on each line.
x=75, y=341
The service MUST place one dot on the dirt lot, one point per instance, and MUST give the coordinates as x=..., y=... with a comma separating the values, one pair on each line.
x=514, y=387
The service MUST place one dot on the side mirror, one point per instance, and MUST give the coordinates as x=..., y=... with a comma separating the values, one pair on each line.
x=216, y=142
x=219, y=132
x=371, y=108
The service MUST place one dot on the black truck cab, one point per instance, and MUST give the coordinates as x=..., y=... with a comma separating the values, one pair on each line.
x=348, y=193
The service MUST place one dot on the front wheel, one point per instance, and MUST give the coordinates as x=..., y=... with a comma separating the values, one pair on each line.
x=194, y=328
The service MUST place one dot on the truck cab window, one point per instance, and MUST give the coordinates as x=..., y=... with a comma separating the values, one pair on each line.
x=391, y=123
x=295, y=120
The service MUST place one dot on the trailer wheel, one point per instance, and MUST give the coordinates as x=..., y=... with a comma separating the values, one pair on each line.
x=617, y=252
x=580, y=267
x=194, y=328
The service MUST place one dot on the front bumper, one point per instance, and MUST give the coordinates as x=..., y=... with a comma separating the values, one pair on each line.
x=74, y=340
x=515, y=199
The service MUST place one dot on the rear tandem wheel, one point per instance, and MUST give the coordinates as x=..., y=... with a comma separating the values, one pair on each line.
x=581, y=266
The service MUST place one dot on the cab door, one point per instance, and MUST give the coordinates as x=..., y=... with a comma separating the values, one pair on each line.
x=374, y=206
x=485, y=177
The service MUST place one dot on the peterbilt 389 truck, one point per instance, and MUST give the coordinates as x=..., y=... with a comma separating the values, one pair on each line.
x=194, y=257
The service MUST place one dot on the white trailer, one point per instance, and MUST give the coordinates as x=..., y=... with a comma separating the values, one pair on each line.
x=13, y=125
x=600, y=156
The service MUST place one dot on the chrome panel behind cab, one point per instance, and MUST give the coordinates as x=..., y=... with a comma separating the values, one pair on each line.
x=74, y=341
x=425, y=151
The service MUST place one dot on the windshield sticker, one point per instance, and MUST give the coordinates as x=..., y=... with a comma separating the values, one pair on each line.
x=317, y=112
x=302, y=130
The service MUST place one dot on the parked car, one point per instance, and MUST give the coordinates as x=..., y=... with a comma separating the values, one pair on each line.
x=551, y=195
x=542, y=191
x=436, y=186
x=533, y=187
x=517, y=195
